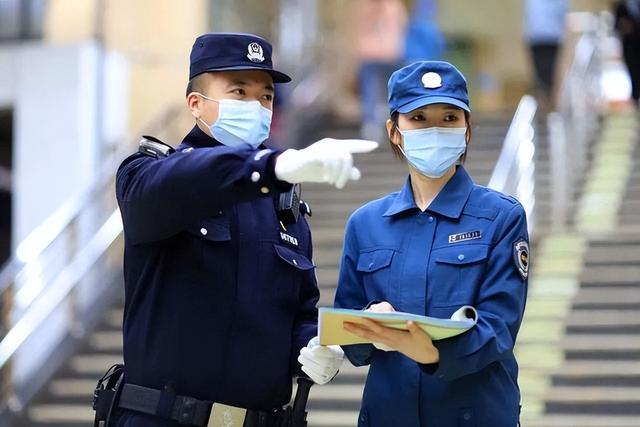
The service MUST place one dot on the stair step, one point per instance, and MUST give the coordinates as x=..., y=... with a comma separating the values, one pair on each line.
x=109, y=341
x=332, y=418
x=94, y=364
x=593, y=400
x=598, y=373
x=611, y=274
x=62, y=414
x=575, y=420
x=614, y=298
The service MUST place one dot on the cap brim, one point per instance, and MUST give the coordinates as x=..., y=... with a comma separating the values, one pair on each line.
x=278, y=77
x=428, y=100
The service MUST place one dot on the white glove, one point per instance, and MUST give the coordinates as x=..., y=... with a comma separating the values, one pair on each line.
x=320, y=362
x=328, y=160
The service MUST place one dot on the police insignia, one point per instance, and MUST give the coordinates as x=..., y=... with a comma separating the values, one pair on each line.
x=431, y=80
x=461, y=237
x=255, y=52
x=521, y=257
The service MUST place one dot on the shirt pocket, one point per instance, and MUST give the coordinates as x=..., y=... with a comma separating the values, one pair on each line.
x=206, y=248
x=284, y=270
x=212, y=229
x=455, y=274
x=293, y=258
x=374, y=266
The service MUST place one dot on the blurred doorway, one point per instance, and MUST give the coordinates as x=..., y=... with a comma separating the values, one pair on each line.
x=6, y=162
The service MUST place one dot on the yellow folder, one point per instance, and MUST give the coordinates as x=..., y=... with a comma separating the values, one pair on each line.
x=331, y=331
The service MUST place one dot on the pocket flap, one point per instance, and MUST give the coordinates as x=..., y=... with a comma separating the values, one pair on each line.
x=293, y=258
x=212, y=229
x=461, y=254
x=374, y=260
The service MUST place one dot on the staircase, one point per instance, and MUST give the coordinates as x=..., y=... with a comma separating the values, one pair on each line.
x=598, y=382
x=66, y=401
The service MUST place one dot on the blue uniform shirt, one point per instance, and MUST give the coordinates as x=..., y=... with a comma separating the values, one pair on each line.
x=467, y=248
x=218, y=303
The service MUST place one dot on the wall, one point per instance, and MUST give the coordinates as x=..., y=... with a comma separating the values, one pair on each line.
x=53, y=91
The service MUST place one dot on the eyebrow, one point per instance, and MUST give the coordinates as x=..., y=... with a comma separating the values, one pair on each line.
x=426, y=109
x=243, y=83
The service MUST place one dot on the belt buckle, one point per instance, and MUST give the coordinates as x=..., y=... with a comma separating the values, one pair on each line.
x=226, y=416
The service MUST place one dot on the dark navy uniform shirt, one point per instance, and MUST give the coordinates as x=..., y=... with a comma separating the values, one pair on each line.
x=218, y=303
x=470, y=247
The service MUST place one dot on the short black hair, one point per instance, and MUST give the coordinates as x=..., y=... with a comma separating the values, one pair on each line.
x=197, y=83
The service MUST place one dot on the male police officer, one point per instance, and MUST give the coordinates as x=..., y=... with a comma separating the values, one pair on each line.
x=220, y=292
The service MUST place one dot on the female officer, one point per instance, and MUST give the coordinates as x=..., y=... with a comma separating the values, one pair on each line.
x=439, y=243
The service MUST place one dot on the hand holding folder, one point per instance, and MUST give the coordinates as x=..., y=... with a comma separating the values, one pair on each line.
x=331, y=331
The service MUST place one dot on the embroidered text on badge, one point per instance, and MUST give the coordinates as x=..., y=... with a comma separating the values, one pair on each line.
x=461, y=237
x=286, y=238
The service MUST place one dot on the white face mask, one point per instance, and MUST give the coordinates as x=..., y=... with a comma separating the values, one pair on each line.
x=432, y=151
x=239, y=122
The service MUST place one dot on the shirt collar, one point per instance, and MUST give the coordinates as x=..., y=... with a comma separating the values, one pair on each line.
x=449, y=202
x=197, y=138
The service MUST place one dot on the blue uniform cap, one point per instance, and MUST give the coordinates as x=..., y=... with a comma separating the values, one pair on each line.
x=424, y=83
x=232, y=52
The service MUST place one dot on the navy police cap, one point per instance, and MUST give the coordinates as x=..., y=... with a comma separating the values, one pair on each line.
x=232, y=52
x=424, y=83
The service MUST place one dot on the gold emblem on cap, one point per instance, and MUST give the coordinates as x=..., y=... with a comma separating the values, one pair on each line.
x=431, y=80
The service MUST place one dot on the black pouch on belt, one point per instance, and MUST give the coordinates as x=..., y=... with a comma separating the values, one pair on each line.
x=105, y=395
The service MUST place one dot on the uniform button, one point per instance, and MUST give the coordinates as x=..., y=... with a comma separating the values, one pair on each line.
x=295, y=262
x=264, y=190
x=203, y=231
x=370, y=265
x=466, y=416
x=461, y=257
x=255, y=176
x=430, y=219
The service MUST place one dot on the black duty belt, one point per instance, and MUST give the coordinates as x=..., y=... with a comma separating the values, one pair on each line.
x=165, y=404
x=188, y=410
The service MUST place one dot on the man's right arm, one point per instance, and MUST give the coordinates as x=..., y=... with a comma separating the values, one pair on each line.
x=160, y=197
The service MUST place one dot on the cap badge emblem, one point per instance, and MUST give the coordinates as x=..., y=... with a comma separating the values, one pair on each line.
x=255, y=52
x=431, y=80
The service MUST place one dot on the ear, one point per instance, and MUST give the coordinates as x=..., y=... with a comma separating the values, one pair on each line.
x=193, y=103
x=393, y=134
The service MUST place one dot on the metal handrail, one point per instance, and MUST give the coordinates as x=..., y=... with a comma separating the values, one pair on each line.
x=41, y=300
x=514, y=170
x=579, y=106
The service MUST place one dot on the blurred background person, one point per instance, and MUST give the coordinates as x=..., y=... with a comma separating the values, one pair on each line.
x=379, y=33
x=544, y=31
x=627, y=25
x=424, y=41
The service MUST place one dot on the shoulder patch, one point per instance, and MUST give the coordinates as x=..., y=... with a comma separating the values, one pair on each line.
x=521, y=257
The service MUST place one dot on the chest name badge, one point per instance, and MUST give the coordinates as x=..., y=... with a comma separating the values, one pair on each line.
x=461, y=237
x=288, y=239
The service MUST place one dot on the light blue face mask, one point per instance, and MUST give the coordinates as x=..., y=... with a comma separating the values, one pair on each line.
x=240, y=122
x=432, y=151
